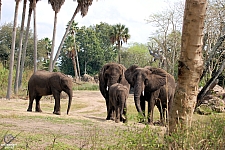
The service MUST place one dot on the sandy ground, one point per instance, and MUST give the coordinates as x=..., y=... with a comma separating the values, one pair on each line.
x=87, y=112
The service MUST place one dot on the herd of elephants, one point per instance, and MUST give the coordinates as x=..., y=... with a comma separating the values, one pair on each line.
x=150, y=84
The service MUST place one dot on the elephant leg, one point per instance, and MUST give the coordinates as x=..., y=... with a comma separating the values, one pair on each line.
x=142, y=99
x=109, y=111
x=56, y=95
x=31, y=100
x=124, y=113
x=151, y=105
x=117, y=117
x=161, y=111
x=38, y=108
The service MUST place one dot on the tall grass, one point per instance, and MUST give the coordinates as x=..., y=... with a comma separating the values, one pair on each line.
x=201, y=136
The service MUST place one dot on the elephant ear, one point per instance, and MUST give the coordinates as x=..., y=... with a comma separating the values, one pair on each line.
x=129, y=73
x=156, y=78
x=102, y=82
x=55, y=80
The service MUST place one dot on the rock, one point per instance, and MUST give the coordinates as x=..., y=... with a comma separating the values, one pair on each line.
x=203, y=109
x=87, y=78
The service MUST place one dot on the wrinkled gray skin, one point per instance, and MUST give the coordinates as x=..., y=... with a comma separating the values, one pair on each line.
x=109, y=74
x=44, y=83
x=118, y=95
x=153, y=85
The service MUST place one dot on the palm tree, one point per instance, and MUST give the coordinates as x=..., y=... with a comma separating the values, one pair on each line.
x=11, y=63
x=25, y=44
x=82, y=7
x=72, y=32
x=56, y=5
x=35, y=34
x=190, y=66
x=71, y=47
x=119, y=35
x=20, y=47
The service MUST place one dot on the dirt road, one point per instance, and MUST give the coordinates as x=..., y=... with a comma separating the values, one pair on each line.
x=86, y=119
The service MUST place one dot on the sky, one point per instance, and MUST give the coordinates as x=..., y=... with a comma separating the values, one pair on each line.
x=131, y=13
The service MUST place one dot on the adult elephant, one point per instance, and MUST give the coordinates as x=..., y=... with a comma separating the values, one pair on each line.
x=110, y=74
x=44, y=83
x=153, y=85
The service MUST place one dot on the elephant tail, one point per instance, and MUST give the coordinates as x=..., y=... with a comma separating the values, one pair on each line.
x=69, y=104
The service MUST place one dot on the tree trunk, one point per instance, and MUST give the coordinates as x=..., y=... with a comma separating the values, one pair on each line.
x=74, y=66
x=76, y=55
x=20, y=48
x=211, y=55
x=35, y=36
x=205, y=89
x=190, y=66
x=25, y=47
x=11, y=63
x=78, y=65
x=53, y=44
x=65, y=35
x=119, y=45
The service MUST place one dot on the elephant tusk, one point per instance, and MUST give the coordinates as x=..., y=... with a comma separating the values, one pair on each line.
x=107, y=88
x=143, y=93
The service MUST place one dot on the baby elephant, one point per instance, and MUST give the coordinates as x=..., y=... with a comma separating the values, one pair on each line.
x=118, y=95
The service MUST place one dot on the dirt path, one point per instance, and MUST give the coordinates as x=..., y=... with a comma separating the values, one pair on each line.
x=87, y=112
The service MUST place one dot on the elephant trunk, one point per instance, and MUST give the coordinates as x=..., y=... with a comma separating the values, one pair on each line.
x=137, y=94
x=70, y=94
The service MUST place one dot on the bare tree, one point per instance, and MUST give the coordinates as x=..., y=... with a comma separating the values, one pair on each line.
x=164, y=44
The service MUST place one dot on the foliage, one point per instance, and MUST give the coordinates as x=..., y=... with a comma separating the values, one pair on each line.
x=136, y=54
x=94, y=50
x=5, y=46
x=3, y=80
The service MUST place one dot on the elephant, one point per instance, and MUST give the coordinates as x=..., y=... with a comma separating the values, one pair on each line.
x=153, y=85
x=43, y=83
x=109, y=74
x=118, y=94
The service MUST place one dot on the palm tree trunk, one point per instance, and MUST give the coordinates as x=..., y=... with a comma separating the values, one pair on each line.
x=0, y=9
x=190, y=66
x=74, y=66
x=25, y=46
x=119, y=51
x=35, y=36
x=78, y=66
x=11, y=63
x=76, y=55
x=20, y=48
x=53, y=44
x=65, y=35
